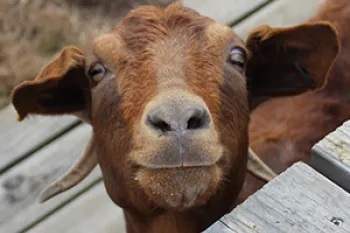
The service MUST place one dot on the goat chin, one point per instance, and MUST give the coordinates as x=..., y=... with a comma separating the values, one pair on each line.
x=180, y=188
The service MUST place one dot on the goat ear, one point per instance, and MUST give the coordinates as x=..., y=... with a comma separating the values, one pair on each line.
x=78, y=172
x=289, y=61
x=61, y=87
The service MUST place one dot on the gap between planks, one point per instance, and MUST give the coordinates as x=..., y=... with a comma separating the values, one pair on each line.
x=21, y=185
x=18, y=140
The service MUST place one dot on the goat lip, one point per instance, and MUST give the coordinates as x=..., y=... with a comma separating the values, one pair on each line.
x=178, y=156
x=179, y=165
x=176, y=160
x=157, y=165
x=169, y=166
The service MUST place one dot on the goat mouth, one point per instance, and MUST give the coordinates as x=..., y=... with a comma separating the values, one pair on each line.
x=164, y=167
x=176, y=158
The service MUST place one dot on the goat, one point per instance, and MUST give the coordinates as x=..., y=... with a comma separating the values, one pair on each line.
x=168, y=100
x=283, y=130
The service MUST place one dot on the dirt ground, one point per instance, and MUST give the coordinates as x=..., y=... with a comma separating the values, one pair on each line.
x=33, y=31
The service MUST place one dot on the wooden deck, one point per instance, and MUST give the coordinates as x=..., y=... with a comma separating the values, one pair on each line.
x=288, y=204
x=331, y=156
x=37, y=151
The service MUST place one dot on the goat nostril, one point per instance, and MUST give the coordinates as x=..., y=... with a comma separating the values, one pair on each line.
x=195, y=122
x=159, y=124
x=162, y=126
x=173, y=119
x=198, y=121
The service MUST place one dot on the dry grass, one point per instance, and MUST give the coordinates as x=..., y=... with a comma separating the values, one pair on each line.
x=32, y=31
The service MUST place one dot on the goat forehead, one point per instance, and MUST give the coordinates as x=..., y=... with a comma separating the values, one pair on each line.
x=145, y=26
x=166, y=49
x=170, y=63
x=109, y=48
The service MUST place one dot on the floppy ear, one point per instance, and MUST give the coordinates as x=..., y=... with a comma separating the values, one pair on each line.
x=61, y=87
x=289, y=61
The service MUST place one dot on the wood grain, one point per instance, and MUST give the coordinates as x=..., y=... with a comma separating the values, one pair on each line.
x=91, y=212
x=331, y=156
x=21, y=185
x=281, y=13
x=17, y=139
x=298, y=200
x=224, y=11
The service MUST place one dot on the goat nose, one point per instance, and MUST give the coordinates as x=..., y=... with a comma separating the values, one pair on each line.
x=178, y=117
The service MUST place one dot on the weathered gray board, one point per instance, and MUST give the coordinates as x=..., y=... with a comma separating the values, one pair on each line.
x=331, y=156
x=84, y=215
x=18, y=139
x=298, y=200
x=281, y=13
x=21, y=185
x=224, y=11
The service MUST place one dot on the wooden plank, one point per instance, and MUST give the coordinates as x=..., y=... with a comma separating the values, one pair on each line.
x=17, y=139
x=224, y=11
x=21, y=185
x=288, y=204
x=91, y=212
x=280, y=13
x=331, y=156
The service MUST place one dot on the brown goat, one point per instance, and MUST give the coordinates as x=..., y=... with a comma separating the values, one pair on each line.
x=167, y=98
x=284, y=130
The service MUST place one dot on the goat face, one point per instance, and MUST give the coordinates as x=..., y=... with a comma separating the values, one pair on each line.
x=166, y=95
x=167, y=100
x=170, y=115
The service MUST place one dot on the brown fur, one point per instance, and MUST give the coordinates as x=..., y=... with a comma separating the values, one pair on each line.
x=276, y=50
x=140, y=176
x=283, y=130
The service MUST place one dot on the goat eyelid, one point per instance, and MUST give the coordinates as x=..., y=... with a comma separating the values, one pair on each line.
x=97, y=71
x=238, y=57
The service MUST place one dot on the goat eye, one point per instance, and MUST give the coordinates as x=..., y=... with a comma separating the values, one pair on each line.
x=97, y=72
x=237, y=58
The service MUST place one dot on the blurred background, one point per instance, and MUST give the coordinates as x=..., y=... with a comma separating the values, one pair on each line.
x=32, y=31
